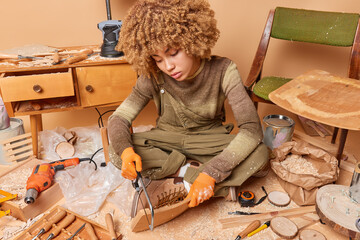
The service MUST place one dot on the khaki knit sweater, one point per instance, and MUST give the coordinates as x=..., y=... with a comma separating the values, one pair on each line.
x=204, y=94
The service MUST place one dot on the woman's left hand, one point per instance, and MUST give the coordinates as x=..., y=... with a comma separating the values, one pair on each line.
x=201, y=190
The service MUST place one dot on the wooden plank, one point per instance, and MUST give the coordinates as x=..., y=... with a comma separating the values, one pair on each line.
x=236, y=221
x=322, y=97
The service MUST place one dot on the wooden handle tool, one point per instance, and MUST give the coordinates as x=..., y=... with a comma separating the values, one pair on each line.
x=90, y=230
x=76, y=58
x=110, y=226
x=66, y=222
x=56, y=218
x=252, y=226
x=56, y=57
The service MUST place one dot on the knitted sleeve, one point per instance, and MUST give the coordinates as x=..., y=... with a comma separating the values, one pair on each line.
x=120, y=121
x=249, y=135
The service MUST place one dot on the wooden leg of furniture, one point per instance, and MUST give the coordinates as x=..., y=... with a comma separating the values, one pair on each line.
x=333, y=139
x=343, y=135
x=39, y=123
x=34, y=133
x=105, y=142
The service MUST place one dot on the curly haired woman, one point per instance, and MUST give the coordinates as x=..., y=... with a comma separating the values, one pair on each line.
x=169, y=43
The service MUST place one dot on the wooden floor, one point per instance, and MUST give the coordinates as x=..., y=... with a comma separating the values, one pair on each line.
x=202, y=222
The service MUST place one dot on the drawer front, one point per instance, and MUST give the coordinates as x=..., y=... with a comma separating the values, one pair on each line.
x=105, y=84
x=36, y=86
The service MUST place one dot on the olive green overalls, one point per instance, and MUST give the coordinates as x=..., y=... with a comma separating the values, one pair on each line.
x=164, y=152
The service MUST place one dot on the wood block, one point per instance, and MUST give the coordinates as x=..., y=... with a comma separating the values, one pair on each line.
x=45, y=200
x=100, y=231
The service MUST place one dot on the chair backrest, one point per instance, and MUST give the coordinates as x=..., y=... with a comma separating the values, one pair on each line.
x=330, y=28
x=319, y=27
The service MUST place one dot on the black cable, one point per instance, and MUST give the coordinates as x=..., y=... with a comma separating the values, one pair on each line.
x=100, y=120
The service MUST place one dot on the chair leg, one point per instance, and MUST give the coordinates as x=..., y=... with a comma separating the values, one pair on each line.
x=343, y=136
x=333, y=139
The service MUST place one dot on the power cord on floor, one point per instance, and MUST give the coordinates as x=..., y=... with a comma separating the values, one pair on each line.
x=101, y=124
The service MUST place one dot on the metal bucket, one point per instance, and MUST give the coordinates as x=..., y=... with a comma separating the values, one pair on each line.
x=16, y=128
x=277, y=130
x=355, y=184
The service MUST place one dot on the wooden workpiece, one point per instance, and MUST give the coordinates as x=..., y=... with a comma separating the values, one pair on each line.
x=338, y=210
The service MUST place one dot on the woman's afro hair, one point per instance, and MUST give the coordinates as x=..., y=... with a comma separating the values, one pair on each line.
x=152, y=25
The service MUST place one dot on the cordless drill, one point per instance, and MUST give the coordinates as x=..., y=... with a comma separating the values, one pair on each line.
x=111, y=30
x=42, y=176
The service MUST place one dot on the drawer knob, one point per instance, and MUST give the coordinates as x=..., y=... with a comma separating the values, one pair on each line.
x=37, y=88
x=89, y=88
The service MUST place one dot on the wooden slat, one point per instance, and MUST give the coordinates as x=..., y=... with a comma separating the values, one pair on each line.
x=19, y=150
x=26, y=135
x=17, y=144
x=20, y=156
x=236, y=221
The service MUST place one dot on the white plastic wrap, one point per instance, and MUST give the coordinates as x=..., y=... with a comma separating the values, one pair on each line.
x=85, y=189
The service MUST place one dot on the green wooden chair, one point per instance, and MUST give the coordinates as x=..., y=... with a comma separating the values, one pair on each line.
x=300, y=25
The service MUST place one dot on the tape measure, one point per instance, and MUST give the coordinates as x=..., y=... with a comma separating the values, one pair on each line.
x=247, y=198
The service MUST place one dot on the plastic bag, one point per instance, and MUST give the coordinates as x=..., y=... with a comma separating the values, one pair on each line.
x=85, y=189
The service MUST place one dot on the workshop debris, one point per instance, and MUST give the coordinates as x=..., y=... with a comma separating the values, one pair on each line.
x=29, y=50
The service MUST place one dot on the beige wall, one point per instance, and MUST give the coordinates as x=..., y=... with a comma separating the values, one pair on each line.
x=72, y=23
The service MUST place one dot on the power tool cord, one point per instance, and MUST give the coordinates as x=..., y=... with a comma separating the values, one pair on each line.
x=100, y=120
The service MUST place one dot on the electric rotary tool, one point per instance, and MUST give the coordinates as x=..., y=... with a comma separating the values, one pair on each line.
x=111, y=30
x=42, y=176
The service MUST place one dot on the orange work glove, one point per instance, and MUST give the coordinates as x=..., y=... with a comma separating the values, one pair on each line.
x=201, y=190
x=129, y=159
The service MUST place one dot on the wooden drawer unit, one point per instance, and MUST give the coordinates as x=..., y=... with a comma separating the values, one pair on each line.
x=104, y=84
x=21, y=86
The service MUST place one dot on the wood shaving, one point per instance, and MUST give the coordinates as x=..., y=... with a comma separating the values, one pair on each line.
x=15, y=183
x=45, y=61
x=299, y=165
x=10, y=226
x=28, y=50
